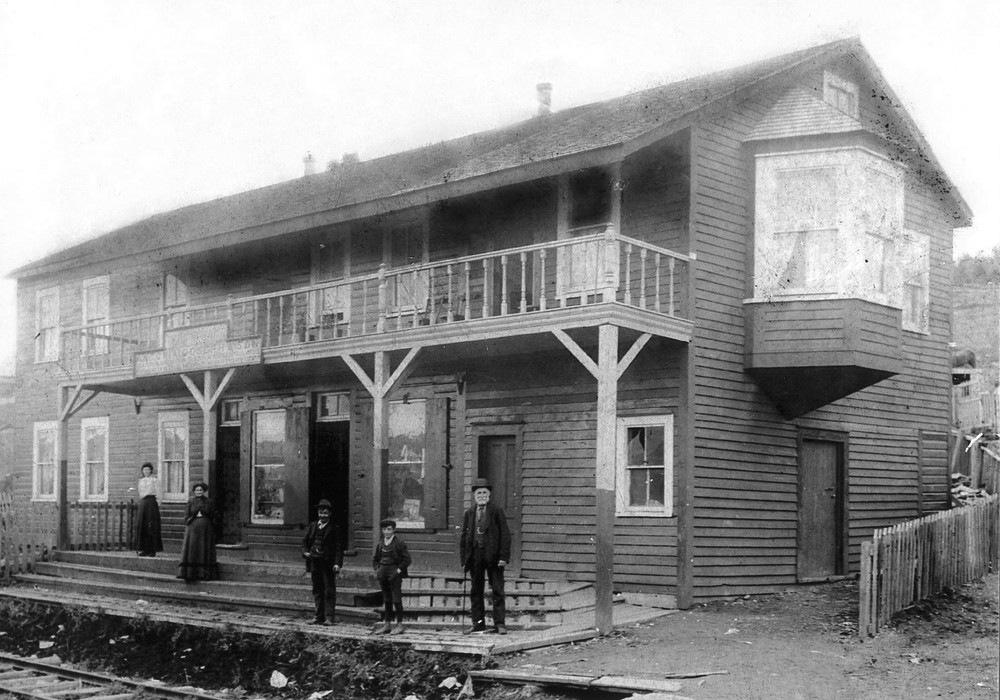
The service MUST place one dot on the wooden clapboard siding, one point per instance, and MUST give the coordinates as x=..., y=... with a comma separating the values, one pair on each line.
x=734, y=420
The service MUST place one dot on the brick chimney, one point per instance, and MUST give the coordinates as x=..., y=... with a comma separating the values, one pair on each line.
x=544, y=99
x=309, y=165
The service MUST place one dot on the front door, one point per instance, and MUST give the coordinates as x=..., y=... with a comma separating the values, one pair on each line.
x=227, y=483
x=498, y=462
x=822, y=549
x=329, y=471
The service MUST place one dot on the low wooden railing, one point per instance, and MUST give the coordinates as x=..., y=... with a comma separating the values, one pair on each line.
x=913, y=560
x=600, y=268
x=102, y=526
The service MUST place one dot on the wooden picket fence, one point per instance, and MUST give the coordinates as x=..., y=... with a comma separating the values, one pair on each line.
x=27, y=534
x=913, y=560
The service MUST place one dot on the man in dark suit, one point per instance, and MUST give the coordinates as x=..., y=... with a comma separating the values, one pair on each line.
x=324, y=555
x=485, y=551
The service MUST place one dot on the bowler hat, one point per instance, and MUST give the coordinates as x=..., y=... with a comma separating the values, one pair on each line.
x=481, y=483
x=323, y=503
x=388, y=522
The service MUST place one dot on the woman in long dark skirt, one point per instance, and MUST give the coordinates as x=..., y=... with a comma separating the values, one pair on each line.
x=198, y=561
x=148, y=539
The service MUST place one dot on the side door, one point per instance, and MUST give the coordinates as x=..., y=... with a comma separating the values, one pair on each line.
x=822, y=535
x=499, y=461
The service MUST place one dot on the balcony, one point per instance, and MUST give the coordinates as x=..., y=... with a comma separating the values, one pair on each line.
x=583, y=281
x=806, y=353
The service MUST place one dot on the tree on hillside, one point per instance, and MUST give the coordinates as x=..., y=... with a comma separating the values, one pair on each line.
x=979, y=269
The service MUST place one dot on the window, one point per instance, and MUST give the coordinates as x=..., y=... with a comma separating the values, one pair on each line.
x=828, y=222
x=43, y=474
x=174, y=455
x=841, y=94
x=175, y=292
x=914, y=288
x=47, y=325
x=406, y=469
x=645, y=466
x=94, y=459
x=407, y=291
x=95, y=311
x=229, y=412
x=590, y=200
x=268, y=471
x=334, y=407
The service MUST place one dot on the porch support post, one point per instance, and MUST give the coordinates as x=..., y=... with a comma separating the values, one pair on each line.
x=207, y=399
x=604, y=534
x=606, y=370
x=69, y=404
x=380, y=385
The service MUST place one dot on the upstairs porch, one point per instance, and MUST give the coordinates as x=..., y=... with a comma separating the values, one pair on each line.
x=595, y=278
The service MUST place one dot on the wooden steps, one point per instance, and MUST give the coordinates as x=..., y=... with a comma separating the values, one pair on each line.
x=431, y=600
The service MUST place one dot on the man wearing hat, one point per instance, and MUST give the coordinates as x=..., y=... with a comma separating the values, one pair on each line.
x=485, y=551
x=324, y=555
x=391, y=560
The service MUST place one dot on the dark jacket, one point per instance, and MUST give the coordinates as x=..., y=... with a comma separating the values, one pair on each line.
x=397, y=552
x=328, y=540
x=496, y=535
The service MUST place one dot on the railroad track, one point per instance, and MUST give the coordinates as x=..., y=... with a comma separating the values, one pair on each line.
x=29, y=678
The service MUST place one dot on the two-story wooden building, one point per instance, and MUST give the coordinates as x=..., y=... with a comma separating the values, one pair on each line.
x=696, y=336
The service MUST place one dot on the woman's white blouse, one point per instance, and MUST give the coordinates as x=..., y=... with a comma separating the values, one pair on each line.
x=149, y=486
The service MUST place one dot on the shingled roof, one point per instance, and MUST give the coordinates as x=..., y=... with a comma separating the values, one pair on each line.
x=644, y=116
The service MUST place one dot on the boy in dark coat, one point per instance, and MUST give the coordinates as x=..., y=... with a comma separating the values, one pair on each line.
x=324, y=555
x=391, y=561
x=485, y=551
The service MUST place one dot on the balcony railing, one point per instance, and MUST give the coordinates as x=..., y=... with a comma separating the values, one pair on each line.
x=595, y=269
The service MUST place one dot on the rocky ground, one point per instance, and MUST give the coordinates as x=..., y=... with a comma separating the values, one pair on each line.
x=801, y=644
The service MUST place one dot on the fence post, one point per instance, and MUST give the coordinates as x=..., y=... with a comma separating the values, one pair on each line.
x=865, y=590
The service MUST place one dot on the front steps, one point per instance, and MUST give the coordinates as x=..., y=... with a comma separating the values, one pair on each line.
x=431, y=600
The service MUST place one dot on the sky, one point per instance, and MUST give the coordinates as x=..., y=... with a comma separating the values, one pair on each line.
x=117, y=109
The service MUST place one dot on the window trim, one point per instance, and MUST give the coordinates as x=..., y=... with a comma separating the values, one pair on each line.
x=52, y=292
x=38, y=427
x=100, y=422
x=171, y=419
x=622, y=509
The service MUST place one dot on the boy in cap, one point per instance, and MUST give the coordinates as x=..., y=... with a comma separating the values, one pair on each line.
x=324, y=555
x=391, y=561
x=485, y=551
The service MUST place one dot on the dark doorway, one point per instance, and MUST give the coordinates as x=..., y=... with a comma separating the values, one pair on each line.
x=498, y=462
x=227, y=483
x=822, y=545
x=329, y=471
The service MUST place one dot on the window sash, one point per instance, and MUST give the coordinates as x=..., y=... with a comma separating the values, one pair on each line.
x=45, y=449
x=94, y=459
x=645, y=466
x=174, y=454
x=47, y=325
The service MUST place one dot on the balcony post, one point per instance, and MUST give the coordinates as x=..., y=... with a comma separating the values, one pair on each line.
x=382, y=293
x=609, y=263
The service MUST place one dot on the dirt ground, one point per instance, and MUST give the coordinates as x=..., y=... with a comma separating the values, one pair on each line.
x=801, y=645
x=797, y=645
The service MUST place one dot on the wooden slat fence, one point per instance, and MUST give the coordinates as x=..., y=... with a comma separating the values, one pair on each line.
x=989, y=469
x=27, y=534
x=913, y=560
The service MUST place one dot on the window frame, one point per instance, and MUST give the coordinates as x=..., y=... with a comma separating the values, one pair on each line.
x=40, y=330
x=622, y=481
x=256, y=519
x=173, y=419
x=94, y=345
x=37, y=428
x=173, y=289
x=102, y=422
x=835, y=87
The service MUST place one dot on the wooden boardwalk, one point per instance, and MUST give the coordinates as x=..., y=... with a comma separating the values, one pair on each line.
x=579, y=625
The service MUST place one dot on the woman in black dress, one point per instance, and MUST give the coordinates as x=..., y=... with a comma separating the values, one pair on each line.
x=148, y=538
x=198, y=561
